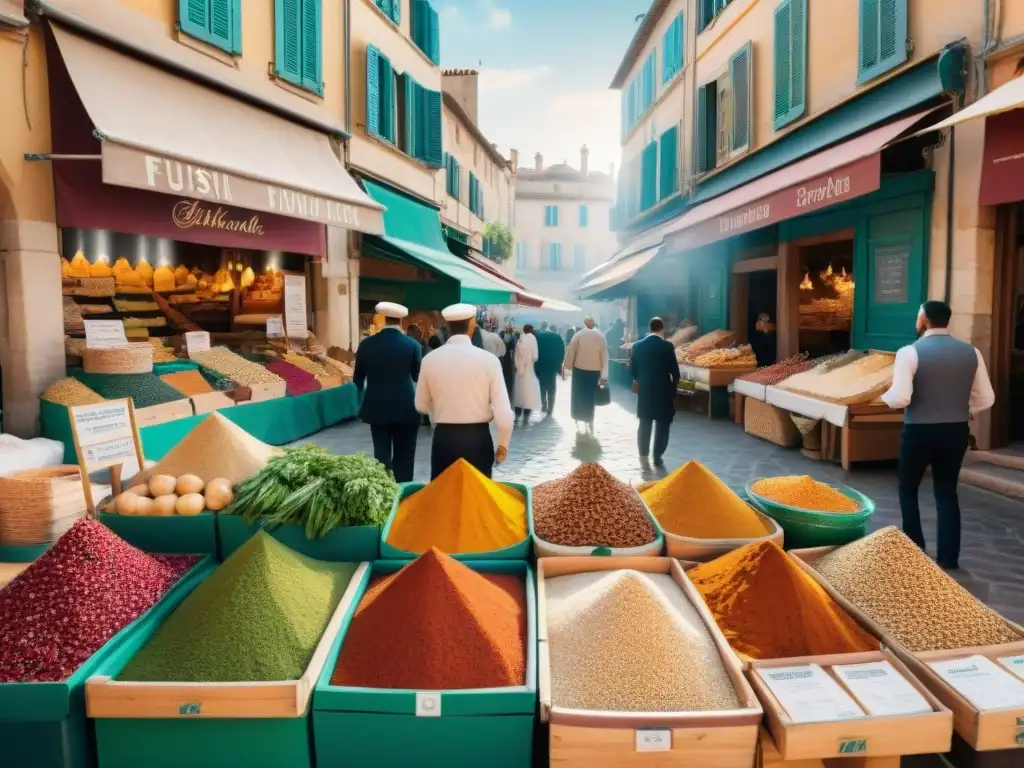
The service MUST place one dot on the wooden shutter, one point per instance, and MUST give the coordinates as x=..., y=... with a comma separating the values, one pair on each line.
x=433, y=35
x=372, y=91
x=649, y=177
x=672, y=50
x=388, y=122
x=883, y=37
x=217, y=22
x=312, y=23
x=790, y=61
x=395, y=10
x=669, y=171
x=740, y=93
x=410, y=109
x=288, y=40
x=431, y=113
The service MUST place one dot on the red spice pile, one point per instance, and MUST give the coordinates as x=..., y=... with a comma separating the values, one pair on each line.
x=87, y=587
x=437, y=625
x=297, y=381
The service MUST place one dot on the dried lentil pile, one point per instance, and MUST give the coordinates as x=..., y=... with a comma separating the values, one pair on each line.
x=911, y=598
x=87, y=587
x=437, y=625
x=776, y=372
x=768, y=608
x=258, y=617
x=630, y=642
x=235, y=367
x=804, y=492
x=461, y=510
x=145, y=389
x=589, y=507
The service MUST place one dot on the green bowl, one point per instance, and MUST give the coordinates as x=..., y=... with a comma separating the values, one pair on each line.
x=808, y=528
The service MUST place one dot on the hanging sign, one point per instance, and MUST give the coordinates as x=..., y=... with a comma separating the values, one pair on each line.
x=106, y=437
x=196, y=342
x=104, y=334
x=275, y=328
x=295, y=306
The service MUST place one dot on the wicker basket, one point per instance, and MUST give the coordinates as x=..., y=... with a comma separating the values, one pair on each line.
x=131, y=358
x=38, y=505
x=770, y=423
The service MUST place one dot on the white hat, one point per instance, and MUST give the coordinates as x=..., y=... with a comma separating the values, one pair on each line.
x=392, y=310
x=457, y=312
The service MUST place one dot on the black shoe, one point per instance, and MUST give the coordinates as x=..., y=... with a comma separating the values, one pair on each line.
x=948, y=566
x=659, y=462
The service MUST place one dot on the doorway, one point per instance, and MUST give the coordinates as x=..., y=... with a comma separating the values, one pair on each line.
x=1007, y=361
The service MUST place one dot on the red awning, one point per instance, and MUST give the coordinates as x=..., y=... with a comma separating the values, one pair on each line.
x=844, y=172
x=1002, y=167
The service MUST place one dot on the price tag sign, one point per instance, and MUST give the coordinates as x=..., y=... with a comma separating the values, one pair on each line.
x=653, y=739
x=428, y=704
x=106, y=437
x=295, y=306
x=196, y=342
x=1016, y=665
x=275, y=328
x=104, y=334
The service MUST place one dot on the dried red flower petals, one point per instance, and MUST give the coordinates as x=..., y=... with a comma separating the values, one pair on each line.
x=87, y=587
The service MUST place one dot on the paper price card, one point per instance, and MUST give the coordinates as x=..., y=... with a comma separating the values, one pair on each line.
x=428, y=704
x=982, y=682
x=653, y=739
x=809, y=694
x=104, y=334
x=880, y=689
x=275, y=328
x=1015, y=664
x=295, y=306
x=196, y=342
x=102, y=423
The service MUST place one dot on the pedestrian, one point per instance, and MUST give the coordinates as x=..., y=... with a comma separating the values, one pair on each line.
x=461, y=389
x=527, y=388
x=550, y=359
x=492, y=343
x=387, y=367
x=569, y=333
x=587, y=358
x=940, y=382
x=656, y=374
x=508, y=360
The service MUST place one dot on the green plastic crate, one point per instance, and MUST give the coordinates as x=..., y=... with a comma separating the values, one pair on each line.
x=379, y=728
x=520, y=551
x=166, y=535
x=343, y=545
x=43, y=725
x=805, y=528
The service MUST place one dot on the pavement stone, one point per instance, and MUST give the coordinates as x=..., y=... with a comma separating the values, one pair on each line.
x=992, y=560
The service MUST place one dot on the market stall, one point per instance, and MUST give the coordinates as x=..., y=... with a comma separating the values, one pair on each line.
x=707, y=366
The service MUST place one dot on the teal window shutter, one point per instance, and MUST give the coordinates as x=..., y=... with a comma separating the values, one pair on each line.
x=217, y=22
x=373, y=58
x=458, y=180
x=649, y=177
x=554, y=215
x=741, y=82
x=395, y=12
x=672, y=50
x=433, y=35
x=410, y=108
x=669, y=171
x=883, y=37
x=790, y=61
x=584, y=216
x=387, y=100
x=312, y=23
x=431, y=112
x=297, y=43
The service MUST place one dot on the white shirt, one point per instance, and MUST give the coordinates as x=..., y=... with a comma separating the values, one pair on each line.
x=492, y=343
x=588, y=351
x=905, y=367
x=462, y=384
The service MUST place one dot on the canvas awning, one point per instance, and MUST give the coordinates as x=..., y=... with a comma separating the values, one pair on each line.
x=1007, y=97
x=618, y=273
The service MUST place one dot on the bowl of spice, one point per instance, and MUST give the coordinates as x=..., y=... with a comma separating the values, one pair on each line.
x=812, y=513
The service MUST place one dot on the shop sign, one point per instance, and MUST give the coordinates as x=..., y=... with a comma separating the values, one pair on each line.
x=1003, y=159
x=193, y=214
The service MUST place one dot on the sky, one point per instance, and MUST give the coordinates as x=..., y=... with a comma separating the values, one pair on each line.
x=545, y=67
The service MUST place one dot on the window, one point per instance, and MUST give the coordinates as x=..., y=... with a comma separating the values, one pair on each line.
x=790, y=61
x=722, y=124
x=297, y=43
x=668, y=173
x=392, y=9
x=724, y=111
x=672, y=58
x=217, y=22
x=584, y=217
x=740, y=85
x=522, y=256
x=649, y=176
x=453, y=182
x=402, y=112
x=883, y=37
x=650, y=86
x=579, y=258
x=550, y=215
x=424, y=29
x=380, y=96
x=554, y=262
x=708, y=9
x=476, y=196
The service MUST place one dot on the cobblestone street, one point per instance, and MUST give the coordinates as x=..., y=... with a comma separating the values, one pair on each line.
x=993, y=526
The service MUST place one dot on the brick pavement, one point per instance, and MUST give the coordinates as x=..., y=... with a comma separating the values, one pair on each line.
x=993, y=526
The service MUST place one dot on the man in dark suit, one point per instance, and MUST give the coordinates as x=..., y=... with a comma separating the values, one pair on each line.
x=388, y=363
x=550, y=358
x=656, y=374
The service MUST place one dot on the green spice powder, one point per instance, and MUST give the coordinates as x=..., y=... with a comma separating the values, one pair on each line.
x=258, y=617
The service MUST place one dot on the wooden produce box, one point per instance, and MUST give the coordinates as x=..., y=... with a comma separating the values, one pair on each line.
x=262, y=392
x=768, y=756
x=981, y=730
x=207, y=402
x=872, y=433
x=717, y=377
x=160, y=414
x=593, y=739
x=255, y=724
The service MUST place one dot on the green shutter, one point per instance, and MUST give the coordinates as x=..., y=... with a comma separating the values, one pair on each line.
x=669, y=171
x=740, y=90
x=790, y=61
x=431, y=115
x=707, y=13
x=395, y=11
x=649, y=177
x=434, y=35
x=372, y=91
x=883, y=37
x=458, y=180
x=672, y=50
x=288, y=40
x=194, y=18
x=387, y=100
x=410, y=107
x=217, y=22
x=311, y=46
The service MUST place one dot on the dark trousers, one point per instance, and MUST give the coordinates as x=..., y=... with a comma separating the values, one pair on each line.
x=643, y=437
x=942, y=447
x=525, y=413
x=548, y=385
x=394, y=446
x=452, y=442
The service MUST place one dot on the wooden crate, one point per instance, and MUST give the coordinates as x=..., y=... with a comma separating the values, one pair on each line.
x=982, y=731
x=589, y=739
x=160, y=414
x=207, y=402
x=263, y=392
x=768, y=756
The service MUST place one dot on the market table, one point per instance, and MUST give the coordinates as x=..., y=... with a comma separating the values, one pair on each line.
x=715, y=381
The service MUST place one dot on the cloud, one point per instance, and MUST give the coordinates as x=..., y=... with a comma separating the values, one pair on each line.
x=451, y=14
x=499, y=18
x=497, y=80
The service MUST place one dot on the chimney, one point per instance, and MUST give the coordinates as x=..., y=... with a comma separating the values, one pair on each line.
x=513, y=159
x=538, y=162
x=585, y=161
x=463, y=85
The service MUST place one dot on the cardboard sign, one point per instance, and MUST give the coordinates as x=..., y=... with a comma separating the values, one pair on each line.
x=295, y=306
x=196, y=342
x=106, y=437
x=275, y=328
x=104, y=334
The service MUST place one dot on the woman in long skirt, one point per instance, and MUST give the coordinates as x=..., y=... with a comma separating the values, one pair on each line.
x=587, y=358
x=526, y=397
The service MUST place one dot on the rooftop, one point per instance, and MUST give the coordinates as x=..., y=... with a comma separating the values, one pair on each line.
x=639, y=42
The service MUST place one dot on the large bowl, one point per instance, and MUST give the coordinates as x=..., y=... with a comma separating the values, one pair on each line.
x=811, y=528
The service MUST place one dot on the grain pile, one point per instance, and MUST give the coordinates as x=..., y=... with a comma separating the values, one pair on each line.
x=459, y=511
x=237, y=368
x=630, y=642
x=70, y=392
x=189, y=383
x=437, y=625
x=145, y=389
x=768, y=608
x=589, y=507
x=693, y=502
x=86, y=588
x=258, y=617
x=910, y=597
x=733, y=357
x=776, y=372
x=851, y=383
x=804, y=492
x=73, y=319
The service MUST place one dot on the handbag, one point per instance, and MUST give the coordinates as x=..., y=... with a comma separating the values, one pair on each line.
x=603, y=396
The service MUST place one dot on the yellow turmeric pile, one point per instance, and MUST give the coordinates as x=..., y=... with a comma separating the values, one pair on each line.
x=805, y=492
x=768, y=608
x=460, y=511
x=693, y=502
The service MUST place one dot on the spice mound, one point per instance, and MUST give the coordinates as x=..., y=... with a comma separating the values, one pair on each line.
x=631, y=642
x=460, y=511
x=911, y=598
x=805, y=492
x=768, y=608
x=258, y=617
x=437, y=625
x=87, y=587
x=693, y=502
x=589, y=507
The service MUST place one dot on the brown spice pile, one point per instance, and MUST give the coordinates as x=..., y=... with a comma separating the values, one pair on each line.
x=590, y=508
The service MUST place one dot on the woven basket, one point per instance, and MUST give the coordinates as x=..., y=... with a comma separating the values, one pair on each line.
x=811, y=431
x=769, y=423
x=132, y=358
x=38, y=505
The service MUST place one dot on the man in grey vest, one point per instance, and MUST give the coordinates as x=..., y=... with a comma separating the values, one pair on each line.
x=941, y=382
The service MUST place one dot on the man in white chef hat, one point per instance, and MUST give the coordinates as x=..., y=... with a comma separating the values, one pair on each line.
x=462, y=389
x=388, y=365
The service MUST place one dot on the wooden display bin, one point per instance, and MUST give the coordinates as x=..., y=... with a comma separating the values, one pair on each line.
x=160, y=414
x=207, y=402
x=592, y=739
x=982, y=731
x=872, y=433
x=769, y=757
x=262, y=392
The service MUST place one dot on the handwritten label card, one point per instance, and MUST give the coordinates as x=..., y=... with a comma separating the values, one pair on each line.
x=295, y=306
x=104, y=334
x=275, y=328
x=196, y=342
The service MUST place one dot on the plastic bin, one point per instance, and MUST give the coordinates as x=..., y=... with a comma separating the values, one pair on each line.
x=807, y=528
x=166, y=535
x=342, y=545
x=702, y=550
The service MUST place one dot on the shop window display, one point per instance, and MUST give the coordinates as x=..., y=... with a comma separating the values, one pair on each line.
x=826, y=298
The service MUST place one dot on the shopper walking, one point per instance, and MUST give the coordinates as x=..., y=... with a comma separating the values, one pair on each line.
x=387, y=367
x=462, y=390
x=527, y=388
x=941, y=382
x=587, y=358
x=508, y=360
x=551, y=357
x=656, y=375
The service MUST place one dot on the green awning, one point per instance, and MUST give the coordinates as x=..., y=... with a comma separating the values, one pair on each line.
x=414, y=230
